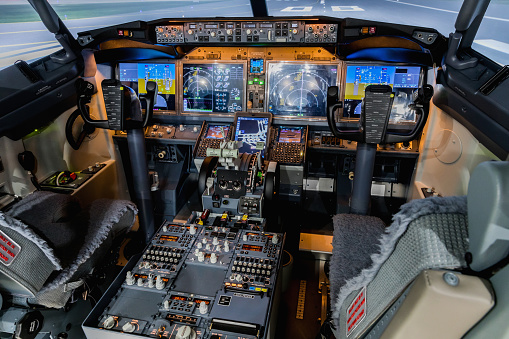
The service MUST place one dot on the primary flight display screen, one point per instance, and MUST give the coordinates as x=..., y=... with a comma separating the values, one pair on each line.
x=404, y=80
x=252, y=131
x=300, y=90
x=290, y=134
x=136, y=75
x=213, y=88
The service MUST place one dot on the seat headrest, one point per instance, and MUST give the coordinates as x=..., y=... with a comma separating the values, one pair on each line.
x=488, y=214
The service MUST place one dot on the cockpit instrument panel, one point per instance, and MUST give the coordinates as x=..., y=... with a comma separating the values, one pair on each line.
x=300, y=89
x=404, y=80
x=136, y=76
x=213, y=87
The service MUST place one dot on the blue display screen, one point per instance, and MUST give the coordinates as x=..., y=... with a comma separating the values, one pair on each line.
x=252, y=131
x=404, y=80
x=256, y=66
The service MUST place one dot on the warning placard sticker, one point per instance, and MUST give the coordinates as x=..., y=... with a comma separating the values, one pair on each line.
x=8, y=249
x=356, y=312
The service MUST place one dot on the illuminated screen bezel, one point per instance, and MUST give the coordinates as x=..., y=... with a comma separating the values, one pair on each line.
x=156, y=62
x=198, y=62
x=253, y=115
x=422, y=79
x=269, y=70
x=280, y=128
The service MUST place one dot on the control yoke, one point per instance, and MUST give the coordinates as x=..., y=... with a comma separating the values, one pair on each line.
x=421, y=99
x=372, y=130
x=123, y=110
x=117, y=99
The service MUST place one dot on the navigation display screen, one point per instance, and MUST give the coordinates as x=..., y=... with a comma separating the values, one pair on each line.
x=404, y=80
x=300, y=90
x=217, y=132
x=252, y=131
x=290, y=134
x=213, y=88
x=136, y=75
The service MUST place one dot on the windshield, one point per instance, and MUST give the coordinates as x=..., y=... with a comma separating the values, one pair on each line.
x=23, y=36
x=437, y=14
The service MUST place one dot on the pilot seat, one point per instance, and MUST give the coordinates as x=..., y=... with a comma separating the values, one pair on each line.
x=48, y=244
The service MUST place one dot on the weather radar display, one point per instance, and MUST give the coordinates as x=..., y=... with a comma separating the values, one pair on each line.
x=136, y=76
x=212, y=88
x=300, y=89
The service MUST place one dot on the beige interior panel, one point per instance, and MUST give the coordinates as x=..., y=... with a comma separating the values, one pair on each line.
x=436, y=309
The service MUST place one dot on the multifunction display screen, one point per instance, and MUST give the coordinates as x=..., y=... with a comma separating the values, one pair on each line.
x=136, y=76
x=252, y=131
x=300, y=90
x=290, y=134
x=404, y=80
x=213, y=88
x=256, y=66
x=217, y=132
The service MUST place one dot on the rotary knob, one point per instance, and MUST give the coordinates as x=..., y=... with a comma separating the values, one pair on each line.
x=109, y=323
x=192, y=230
x=215, y=241
x=166, y=305
x=226, y=246
x=201, y=257
x=129, y=279
x=151, y=280
x=213, y=258
x=160, y=284
x=248, y=31
x=275, y=239
x=229, y=32
x=128, y=327
x=212, y=34
x=190, y=32
x=185, y=332
x=203, y=307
